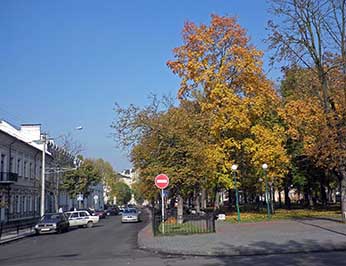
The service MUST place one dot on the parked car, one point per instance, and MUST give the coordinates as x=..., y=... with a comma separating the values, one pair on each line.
x=89, y=210
x=52, y=222
x=100, y=213
x=112, y=211
x=121, y=210
x=130, y=215
x=82, y=219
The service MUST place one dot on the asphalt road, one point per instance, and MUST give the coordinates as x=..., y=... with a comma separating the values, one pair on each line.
x=113, y=243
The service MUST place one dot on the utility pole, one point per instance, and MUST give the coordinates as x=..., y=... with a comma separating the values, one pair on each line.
x=43, y=174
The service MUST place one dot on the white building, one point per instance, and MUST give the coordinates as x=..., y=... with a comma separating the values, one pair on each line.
x=129, y=176
x=20, y=173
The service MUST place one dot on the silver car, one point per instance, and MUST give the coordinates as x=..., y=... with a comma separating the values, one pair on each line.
x=130, y=215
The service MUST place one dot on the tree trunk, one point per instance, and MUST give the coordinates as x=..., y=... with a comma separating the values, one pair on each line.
x=215, y=198
x=280, y=200
x=287, y=198
x=323, y=192
x=180, y=210
x=197, y=203
x=204, y=198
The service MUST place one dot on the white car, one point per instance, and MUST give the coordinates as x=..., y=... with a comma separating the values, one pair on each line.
x=82, y=218
x=130, y=215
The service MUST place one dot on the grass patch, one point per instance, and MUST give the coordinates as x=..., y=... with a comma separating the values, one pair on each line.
x=282, y=214
x=186, y=228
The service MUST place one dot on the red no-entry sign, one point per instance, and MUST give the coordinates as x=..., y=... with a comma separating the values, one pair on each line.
x=161, y=181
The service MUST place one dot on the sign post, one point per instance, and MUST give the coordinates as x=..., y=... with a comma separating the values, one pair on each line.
x=161, y=182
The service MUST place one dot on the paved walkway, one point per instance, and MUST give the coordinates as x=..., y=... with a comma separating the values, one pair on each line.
x=277, y=237
x=13, y=235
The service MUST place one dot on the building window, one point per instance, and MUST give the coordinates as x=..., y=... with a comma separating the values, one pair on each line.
x=36, y=203
x=18, y=167
x=2, y=165
x=30, y=203
x=30, y=170
x=11, y=165
x=17, y=204
x=24, y=169
x=24, y=204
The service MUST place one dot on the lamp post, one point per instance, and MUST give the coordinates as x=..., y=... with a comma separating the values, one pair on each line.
x=234, y=169
x=43, y=174
x=265, y=166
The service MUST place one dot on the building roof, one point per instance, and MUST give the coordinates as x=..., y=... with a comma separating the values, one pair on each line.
x=22, y=135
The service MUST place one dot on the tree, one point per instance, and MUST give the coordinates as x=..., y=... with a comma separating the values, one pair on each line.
x=122, y=192
x=311, y=34
x=166, y=139
x=80, y=180
x=217, y=62
x=108, y=175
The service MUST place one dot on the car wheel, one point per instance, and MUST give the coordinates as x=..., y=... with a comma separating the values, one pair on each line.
x=89, y=224
x=37, y=232
x=58, y=230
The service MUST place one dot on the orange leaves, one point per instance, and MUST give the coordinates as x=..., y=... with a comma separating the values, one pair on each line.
x=218, y=53
x=304, y=118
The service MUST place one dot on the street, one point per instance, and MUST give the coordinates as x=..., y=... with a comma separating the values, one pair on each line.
x=113, y=243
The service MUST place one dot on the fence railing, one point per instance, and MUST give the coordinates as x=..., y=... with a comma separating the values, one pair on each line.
x=188, y=224
x=16, y=226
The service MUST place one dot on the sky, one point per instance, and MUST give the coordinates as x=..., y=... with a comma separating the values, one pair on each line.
x=66, y=63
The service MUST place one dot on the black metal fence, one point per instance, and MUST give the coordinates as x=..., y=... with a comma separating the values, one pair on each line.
x=187, y=224
x=15, y=226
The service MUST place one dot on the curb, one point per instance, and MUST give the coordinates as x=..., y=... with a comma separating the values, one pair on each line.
x=238, y=253
x=4, y=241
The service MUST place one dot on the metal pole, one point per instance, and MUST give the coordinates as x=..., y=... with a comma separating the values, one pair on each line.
x=236, y=195
x=43, y=176
x=163, y=211
x=267, y=200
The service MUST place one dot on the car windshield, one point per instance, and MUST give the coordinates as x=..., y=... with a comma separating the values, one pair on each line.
x=51, y=217
x=129, y=211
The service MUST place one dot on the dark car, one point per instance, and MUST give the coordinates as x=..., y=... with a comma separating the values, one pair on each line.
x=52, y=222
x=112, y=211
x=100, y=213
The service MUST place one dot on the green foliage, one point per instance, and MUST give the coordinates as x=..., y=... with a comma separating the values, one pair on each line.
x=109, y=176
x=81, y=179
x=122, y=192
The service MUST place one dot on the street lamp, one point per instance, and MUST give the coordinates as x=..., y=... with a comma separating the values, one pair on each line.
x=234, y=169
x=265, y=166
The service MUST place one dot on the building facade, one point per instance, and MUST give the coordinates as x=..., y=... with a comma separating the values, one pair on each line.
x=20, y=173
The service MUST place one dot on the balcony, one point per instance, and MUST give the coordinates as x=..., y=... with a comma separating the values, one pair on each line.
x=8, y=177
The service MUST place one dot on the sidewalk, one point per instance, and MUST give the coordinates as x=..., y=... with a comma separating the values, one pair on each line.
x=11, y=236
x=277, y=237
